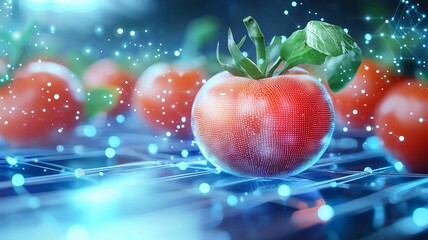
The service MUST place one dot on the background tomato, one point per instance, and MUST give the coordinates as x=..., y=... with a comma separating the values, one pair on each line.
x=402, y=120
x=268, y=127
x=105, y=73
x=164, y=97
x=355, y=104
x=41, y=104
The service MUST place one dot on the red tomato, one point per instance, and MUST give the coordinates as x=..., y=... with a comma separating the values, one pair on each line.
x=105, y=73
x=402, y=120
x=355, y=104
x=40, y=105
x=164, y=97
x=268, y=127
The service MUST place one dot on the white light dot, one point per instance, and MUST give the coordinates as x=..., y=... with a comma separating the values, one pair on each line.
x=293, y=3
x=284, y=190
x=401, y=138
x=232, y=200
x=368, y=36
x=79, y=172
x=325, y=212
x=152, y=148
x=114, y=141
x=119, y=31
x=184, y=153
x=421, y=120
x=355, y=111
x=132, y=33
x=11, y=160
x=204, y=187
x=398, y=166
x=176, y=53
x=56, y=96
x=286, y=12
x=120, y=118
x=110, y=152
x=18, y=180
x=420, y=217
x=168, y=134
x=345, y=129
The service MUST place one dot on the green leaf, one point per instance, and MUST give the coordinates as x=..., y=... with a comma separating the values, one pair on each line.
x=249, y=66
x=258, y=39
x=328, y=39
x=199, y=32
x=233, y=69
x=295, y=51
x=341, y=70
x=100, y=100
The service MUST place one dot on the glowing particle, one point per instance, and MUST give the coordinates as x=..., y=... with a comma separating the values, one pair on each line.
x=368, y=36
x=11, y=160
x=132, y=33
x=18, y=180
x=401, y=138
x=184, y=153
x=56, y=96
x=325, y=212
x=293, y=4
x=176, y=53
x=89, y=131
x=182, y=165
x=204, y=188
x=420, y=217
x=368, y=128
x=368, y=170
x=79, y=172
x=152, y=148
x=119, y=31
x=114, y=141
x=284, y=190
x=355, y=111
x=345, y=129
x=168, y=134
x=183, y=119
x=372, y=142
x=232, y=200
x=120, y=118
x=110, y=152
x=77, y=232
x=421, y=120
x=398, y=166
x=60, y=148
x=286, y=12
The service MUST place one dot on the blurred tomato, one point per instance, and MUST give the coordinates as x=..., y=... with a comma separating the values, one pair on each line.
x=106, y=74
x=164, y=97
x=402, y=120
x=40, y=105
x=355, y=104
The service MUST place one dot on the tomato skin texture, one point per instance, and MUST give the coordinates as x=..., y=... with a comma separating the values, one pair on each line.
x=105, y=73
x=355, y=104
x=41, y=105
x=164, y=97
x=402, y=117
x=269, y=127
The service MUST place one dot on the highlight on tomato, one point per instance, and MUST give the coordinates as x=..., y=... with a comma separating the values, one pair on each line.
x=41, y=105
x=268, y=119
x=355, y=105
x=165, y=91
x=109, y=88
x=402, y=123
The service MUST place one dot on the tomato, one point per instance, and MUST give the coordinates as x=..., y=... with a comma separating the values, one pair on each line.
x=355, y=104
x=105, y=73
x=402, y=123
x=164, y=97
x=269, y=127
x=40, y=105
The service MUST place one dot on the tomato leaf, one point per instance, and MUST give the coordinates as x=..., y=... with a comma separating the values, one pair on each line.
x=322, y=42
x=341, y=70
x=258, y=39
x=233, y=69
x=296, y=51
x=249, y=66
x=100, y=100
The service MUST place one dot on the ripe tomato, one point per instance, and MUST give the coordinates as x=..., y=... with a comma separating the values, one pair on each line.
x=40, y=105
x=355, y=104
x=268, y=127
x=164, y=97
x=105, y=73
x=402, y=123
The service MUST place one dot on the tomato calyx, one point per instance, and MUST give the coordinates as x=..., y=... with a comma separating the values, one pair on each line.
x=318, y=43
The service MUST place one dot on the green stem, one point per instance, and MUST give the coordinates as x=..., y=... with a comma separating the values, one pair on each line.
x=258, y=39
x=273, y=67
